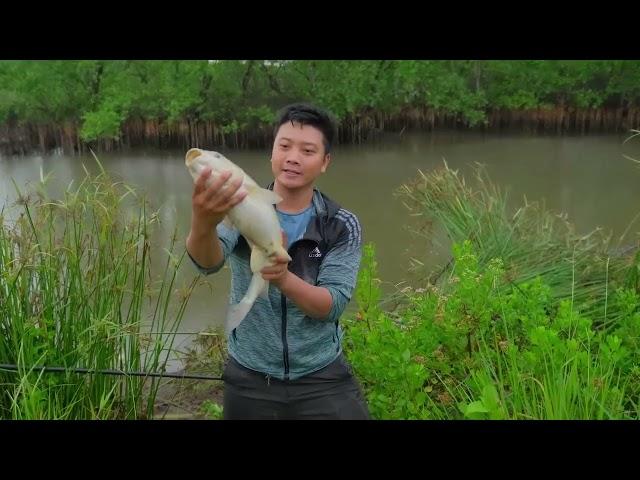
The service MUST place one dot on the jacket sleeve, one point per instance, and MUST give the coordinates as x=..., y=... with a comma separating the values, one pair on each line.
x=228, y=240
x=339, y=269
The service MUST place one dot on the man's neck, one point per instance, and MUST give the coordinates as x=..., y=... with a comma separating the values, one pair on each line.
x=293, y=201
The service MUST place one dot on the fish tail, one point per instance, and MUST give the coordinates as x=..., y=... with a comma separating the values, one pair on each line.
x=236, y=314
x=239, y=311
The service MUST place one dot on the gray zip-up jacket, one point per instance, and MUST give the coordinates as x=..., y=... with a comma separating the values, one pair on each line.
x=276, y=337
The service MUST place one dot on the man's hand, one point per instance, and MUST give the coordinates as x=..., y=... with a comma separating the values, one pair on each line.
x=210, y=205
x=277, y=273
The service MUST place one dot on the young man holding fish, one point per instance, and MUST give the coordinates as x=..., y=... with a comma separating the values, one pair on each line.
x=285, y=356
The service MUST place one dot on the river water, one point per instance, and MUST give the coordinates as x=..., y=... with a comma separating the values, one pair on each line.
x=586, y=177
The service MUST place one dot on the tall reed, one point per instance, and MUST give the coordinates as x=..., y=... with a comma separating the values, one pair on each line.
x=532, y=242
x=77, y=290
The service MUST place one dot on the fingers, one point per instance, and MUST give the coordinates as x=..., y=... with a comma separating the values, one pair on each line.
x=235, y=197
x=220, y=195
x=277, y=271
x=271, y=270
x=274, y=272
x=278, y=264
x=200, y=185
x=216, y=187
x=279, y=260
x=225, y=193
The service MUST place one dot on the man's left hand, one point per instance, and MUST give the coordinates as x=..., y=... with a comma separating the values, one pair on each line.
x=277, y=273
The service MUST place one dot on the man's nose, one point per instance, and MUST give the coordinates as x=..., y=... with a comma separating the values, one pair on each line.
x=293, y=157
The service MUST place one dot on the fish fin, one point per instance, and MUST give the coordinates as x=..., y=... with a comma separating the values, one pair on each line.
x=282, y=252
x=267, y=196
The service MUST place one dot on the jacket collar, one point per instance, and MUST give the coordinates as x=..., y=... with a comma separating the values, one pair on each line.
x=325, y=210
x=320, y=202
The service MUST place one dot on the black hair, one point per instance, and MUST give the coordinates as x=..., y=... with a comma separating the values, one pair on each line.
x=307, y=114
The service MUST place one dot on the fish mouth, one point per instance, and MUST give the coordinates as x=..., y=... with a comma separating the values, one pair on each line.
x=191, y=156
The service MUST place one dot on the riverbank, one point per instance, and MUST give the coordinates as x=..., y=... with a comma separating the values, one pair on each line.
x=366, y=127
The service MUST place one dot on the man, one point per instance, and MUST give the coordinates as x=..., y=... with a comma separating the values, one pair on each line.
x=285, y=358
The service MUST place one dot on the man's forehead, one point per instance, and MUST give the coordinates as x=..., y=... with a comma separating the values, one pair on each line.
x=300, y=133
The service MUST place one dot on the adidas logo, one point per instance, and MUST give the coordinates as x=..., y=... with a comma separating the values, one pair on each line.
x=315, y=253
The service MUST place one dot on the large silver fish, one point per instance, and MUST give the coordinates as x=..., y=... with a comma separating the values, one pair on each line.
x=254, y=217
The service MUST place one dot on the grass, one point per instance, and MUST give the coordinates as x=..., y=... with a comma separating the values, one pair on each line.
x=76, y=290
x=471, y=348
x=528, y=320
x=533, y=242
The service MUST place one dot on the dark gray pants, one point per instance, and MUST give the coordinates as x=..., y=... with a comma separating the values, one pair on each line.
x=331, y=393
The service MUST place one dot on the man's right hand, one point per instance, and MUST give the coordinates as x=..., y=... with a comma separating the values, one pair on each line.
x=211, y=204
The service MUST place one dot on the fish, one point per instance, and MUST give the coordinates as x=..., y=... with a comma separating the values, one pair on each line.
x=254, y=217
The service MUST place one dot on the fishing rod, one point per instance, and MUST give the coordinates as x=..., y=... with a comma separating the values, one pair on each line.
x=13, y=367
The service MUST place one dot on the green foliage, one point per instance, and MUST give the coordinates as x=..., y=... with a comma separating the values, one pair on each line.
x=488, y=350
x=530, y=243
x=104, y=123
x=527, y=321
x=74, y=277
x=99, y=96
x=211, y=410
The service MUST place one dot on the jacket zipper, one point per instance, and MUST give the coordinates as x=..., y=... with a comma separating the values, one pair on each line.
x=285, y=346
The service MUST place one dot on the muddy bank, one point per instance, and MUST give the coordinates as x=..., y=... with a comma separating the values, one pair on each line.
x=184, y=399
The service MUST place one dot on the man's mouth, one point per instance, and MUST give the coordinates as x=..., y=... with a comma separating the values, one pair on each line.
x=290, y=172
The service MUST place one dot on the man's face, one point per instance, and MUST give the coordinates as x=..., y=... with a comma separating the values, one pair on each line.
x=298, y=156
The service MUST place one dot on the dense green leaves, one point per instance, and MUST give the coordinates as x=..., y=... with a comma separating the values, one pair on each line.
x=98, y=97
x=471, y=349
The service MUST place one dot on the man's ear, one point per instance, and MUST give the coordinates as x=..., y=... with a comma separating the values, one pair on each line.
x=326, y=162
